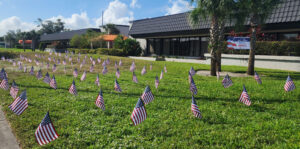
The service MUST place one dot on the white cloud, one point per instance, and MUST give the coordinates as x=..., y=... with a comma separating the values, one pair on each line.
x=116, y=13
x=14, y=23
x=178, y=6
x=76, y=21
x=134, y=4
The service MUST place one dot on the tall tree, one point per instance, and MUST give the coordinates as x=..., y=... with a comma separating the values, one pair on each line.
x=257, y=11
x=11, y=38
x=111, y=29
x=216, y=11
x=34, y=36
x=22, y=36
x=49, y=27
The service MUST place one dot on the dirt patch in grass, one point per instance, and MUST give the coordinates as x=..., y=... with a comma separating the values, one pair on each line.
x=222, y=74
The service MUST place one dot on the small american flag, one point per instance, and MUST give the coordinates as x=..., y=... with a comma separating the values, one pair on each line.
x=70, y=58
x=3, y=74
x=104, y=71
x=47, y=78
x=94, y=62
x=289, y=84
x=132, y=67
x=192, y=71
x=161, y=74
x=195, y=109
x=257, y=78
x=244, y=98
x=78, y=59
x=99, y=101
x=117, y=86
x=107, y=61
x=190, y=77
x=92, y=68
x=20, y=104
x=20, y=67
x=134, y=78
x=64, y=62
x=14, y=90
x=75, y=73
x=147, y=96
x=54, y=68
x=32, y=70
x=72, y=64
x=218, y=75
x=49, y=59
x=97, y=81
x=193, y=87
x=156, y=82
x=53, y=82
x=139, y=113
x=25, y=69
x=54, y=59
x=39, y=74
x=104, y=63
x=165, y=68
x=151, y=67
x=46, y=132
x=116, y=64
x=83, y=76
x=144, y=71
x=58, y=61
x=4, y=83
x=91, y=58
x=72, y=88
x=81, y=65
x=118, y=73
x=227, y=81
x=120, y=63
x=48, y=65
x=99, y=60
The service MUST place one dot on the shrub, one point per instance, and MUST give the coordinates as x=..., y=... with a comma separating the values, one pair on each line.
x=79, y=42
x=114, y=52
x=132, y=47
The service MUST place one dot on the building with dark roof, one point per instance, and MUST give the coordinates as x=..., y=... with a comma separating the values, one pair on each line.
x=174, y=34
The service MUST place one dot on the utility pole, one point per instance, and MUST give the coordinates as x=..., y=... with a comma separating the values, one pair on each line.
x=102, y=18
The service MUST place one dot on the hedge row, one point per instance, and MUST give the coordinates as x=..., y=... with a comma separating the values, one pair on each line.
x=288, y=48
x=104, y=51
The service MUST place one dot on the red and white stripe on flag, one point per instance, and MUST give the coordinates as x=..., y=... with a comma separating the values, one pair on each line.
x=46, y=132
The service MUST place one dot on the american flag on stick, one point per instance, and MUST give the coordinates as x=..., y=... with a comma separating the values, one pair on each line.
x=53, y=82
x=118, y=73
x=244, y=98
x=257, y=78
x=116, y=64
x=195, y=110
x=107, y=61
x=289, y=84
x=20, y=67
x=165, y=68
x=117, y=86
x=39, y=74
x=4, y=83
x=20, y=104
x=94, y=62
x=134, y=78
x=78, y=59
x=54, y=68
x=97, y=81
x=139, y=113
x=46, y=132
x=144, y=71
x=47, y=78
x=104, y=71
x=99, y=101
x=32, y=70
x=161, y=74
x=70, y=58
x=151, y=67
x=227, y=82
x=190, y=77
x=156, y=81
x=14, y=90
x=25, y=69
x=193, y=87
x=132, y=67
x=147, y=96
x=75, y=73
x=64, y=62
x=104, y=63
x=49, y=59
x=120, y=63
x=48, y=65
x=83, y=76
x=99, y=60
x=192, y=71
x=3, y=74
x=72, y=88
x=92, y=68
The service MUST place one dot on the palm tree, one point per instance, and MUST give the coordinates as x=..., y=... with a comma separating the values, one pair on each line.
x=34, y=36
x=217, y=11
x=111, y=29
x=257, y=11
x=11, y=38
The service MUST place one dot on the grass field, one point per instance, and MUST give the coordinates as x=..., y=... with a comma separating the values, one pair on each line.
x=272, y=121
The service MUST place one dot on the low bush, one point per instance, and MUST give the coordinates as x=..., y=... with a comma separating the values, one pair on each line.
x=103, y=51
x=288, y=48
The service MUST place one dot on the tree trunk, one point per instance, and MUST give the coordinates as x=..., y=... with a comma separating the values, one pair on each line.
x=220, y=44
x=23, y=43
x=218, y=61
x=252, y=51
x=213, y=44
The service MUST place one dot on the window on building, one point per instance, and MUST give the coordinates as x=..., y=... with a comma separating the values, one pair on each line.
x=289, y=36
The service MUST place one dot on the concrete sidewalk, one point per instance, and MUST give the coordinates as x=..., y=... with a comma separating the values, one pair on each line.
x=7, y=139
x=269, y=62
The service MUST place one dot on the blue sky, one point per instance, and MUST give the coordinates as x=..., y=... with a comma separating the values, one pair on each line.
x=21, y=14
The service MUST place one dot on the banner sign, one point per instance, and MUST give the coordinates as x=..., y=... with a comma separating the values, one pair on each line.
x=241, y=43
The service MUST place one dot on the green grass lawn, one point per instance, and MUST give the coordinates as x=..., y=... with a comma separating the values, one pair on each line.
x=272, y=121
